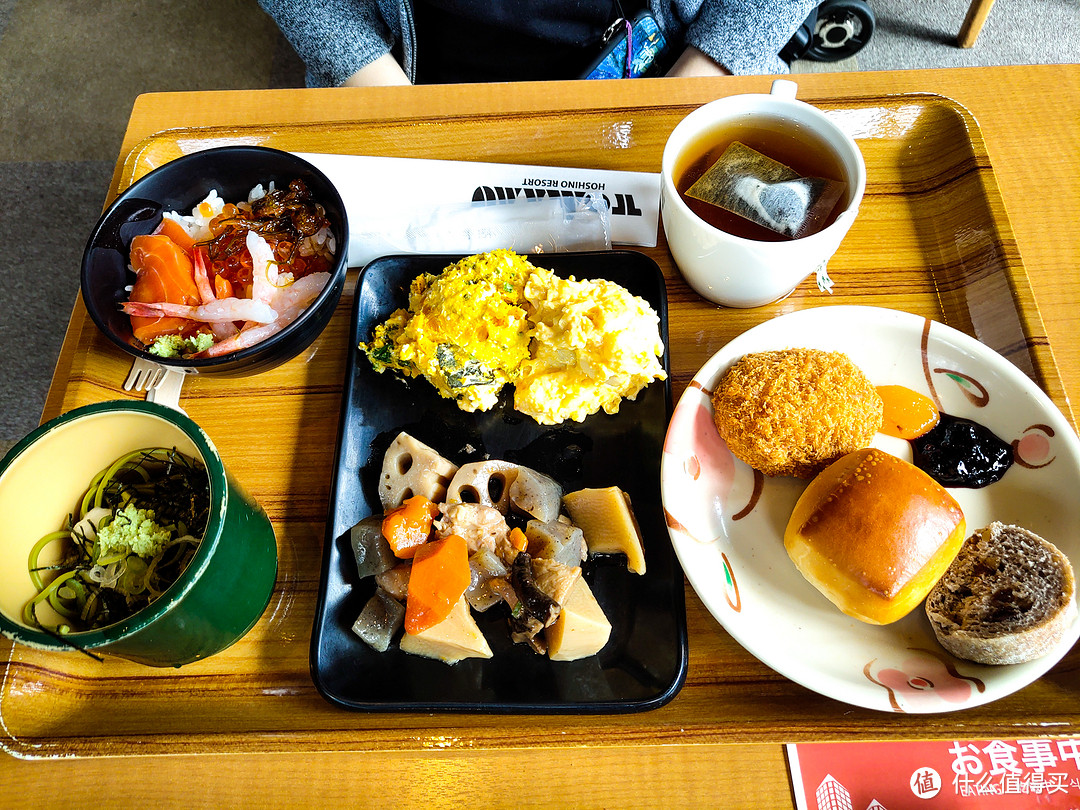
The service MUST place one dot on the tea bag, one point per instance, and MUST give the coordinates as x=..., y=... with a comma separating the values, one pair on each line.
x=762, y=190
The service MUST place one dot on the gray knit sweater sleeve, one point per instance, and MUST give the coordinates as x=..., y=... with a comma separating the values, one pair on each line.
x=335, y=38
x=745, y=36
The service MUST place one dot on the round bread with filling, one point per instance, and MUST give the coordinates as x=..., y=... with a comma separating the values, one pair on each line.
x=1007, y=598
x=795, y=411
x=874, y=533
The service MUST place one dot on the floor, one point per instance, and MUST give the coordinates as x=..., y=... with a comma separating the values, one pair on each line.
x=70, y=71
x=67, y=85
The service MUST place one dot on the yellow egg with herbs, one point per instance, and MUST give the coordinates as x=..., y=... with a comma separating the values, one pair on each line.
x=570, y=348
x=464, y=330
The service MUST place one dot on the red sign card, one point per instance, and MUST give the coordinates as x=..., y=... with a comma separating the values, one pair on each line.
x=937, y=774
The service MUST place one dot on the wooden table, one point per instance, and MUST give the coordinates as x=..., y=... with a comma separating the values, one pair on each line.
x=705, y=748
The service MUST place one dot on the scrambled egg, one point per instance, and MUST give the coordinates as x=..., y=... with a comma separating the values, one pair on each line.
x=571, y=348
x=464, y=330
x=593, y=344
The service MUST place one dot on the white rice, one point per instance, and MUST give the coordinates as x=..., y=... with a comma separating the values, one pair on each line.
x=197, y=224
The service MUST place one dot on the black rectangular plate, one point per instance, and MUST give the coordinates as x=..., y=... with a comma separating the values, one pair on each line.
x=644, y=663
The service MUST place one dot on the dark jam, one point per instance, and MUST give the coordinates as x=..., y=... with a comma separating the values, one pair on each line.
x=961, y=453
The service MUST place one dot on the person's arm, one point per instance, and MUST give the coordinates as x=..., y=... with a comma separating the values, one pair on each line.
x=746, y=36
x=337, y=39
x=383, y=71
x=693, y=62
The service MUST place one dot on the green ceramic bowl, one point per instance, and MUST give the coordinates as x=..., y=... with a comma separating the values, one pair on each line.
x=214, y=602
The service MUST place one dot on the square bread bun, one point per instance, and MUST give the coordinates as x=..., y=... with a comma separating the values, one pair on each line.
x=874, y=533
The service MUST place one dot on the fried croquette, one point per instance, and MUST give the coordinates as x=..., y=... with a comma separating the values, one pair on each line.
x=794, y=412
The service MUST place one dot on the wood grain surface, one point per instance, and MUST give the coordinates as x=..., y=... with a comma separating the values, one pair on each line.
x=967, y=219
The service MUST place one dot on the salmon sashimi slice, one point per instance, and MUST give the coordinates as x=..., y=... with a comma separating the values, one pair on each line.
x=164, y=273
x=174, y=230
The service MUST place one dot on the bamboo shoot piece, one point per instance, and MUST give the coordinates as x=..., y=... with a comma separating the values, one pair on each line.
x=607, y=519
x=581, y=630
x=454, y=638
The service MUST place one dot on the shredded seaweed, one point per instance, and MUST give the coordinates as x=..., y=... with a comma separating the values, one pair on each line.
x=91, y=586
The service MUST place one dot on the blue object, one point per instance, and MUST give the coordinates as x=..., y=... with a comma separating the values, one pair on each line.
x=644, y=41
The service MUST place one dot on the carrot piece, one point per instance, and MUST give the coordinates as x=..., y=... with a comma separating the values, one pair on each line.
x=175, y=231
x=440, y=575
x=409, y=526
x=518, y=539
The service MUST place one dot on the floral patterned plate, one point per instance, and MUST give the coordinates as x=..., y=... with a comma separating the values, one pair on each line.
x=727, y=522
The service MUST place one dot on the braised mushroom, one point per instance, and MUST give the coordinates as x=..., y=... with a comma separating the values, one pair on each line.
x=535, y=609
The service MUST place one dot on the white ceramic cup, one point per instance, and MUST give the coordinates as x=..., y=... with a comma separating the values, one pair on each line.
x=731, y=270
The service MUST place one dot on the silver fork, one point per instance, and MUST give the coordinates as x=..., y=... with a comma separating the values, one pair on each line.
x=144, y=375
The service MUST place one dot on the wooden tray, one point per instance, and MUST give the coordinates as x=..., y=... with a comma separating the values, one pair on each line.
x=932, y=238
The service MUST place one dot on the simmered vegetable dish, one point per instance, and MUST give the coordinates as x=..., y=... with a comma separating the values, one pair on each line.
x=488, y=535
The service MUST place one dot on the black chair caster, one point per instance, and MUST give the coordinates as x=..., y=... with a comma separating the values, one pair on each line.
x=835, y=30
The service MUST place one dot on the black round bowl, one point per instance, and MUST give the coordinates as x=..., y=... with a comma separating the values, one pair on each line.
x=178, y=186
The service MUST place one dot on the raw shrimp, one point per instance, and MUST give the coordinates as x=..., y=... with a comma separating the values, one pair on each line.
x=300, y=293
x=290, y=301
x=241, y=271
x=264, y=269
x=222, y=330
x=241, y=340
x=218, y=311
x=202, y=277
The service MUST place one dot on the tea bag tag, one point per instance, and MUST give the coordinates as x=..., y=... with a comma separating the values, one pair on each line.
x=765, y=191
